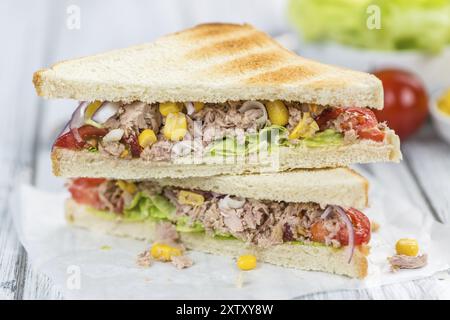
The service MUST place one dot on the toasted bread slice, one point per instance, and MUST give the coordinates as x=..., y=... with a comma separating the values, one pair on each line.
x=209, y=63
x=300, y=256
x=340, y=186
x=68, y=163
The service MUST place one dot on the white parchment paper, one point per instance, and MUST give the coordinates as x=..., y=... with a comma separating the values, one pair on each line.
x=87, y=265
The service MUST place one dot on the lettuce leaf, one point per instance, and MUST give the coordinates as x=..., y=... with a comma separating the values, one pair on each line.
x=144, y=206
x=183, y=225
x=325, y=138
x=266, y=140
x=224, y=236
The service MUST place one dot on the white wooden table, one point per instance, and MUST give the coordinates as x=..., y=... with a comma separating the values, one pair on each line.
x=34, y=34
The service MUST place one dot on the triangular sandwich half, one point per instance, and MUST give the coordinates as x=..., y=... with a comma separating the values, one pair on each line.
x=203, y=101
x=306, y=219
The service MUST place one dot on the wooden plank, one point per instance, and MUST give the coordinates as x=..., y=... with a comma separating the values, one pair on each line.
x=23, y=52
x=91, y=38
x=9, y=245
x=428, y=158
x=430, y=288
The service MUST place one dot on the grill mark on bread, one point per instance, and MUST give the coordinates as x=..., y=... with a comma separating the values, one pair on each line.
x=212, y=30
x=249, y=62
x=227, y=47
x=156, y=72
x=286, y=74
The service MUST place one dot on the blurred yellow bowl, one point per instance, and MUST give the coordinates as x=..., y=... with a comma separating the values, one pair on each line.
x=441, y=119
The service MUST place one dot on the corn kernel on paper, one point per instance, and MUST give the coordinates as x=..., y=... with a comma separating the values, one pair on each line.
x=87, y=265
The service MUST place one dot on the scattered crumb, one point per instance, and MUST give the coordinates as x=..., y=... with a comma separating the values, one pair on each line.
x=105, y=247
x=144, y=259
x=240, y=280
x=182, y=262
x=399, y=261
x=374, y=226
x=147, y=279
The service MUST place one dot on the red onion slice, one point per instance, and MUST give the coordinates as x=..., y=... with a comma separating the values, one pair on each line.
x=248, y=105
x=105, y=111
x=77, y=120
x=326, y=213
x=351, y=232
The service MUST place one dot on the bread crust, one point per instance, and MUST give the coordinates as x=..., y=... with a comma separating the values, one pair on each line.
x=300, y=256
x=210, y=63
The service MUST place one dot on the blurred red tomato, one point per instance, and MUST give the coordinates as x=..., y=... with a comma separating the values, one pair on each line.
x=405, y=101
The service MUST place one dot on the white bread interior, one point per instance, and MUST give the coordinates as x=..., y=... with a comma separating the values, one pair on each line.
x=211, y=63
x=70, y=164
x=340, y=186
x=300, y=256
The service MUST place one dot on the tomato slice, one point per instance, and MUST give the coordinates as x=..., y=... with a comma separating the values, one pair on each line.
x=374, y=134
x=85, y=191
x=363, y=121
x=328, y=115
x=359, y=119
x=86, y=132
x=361, y=229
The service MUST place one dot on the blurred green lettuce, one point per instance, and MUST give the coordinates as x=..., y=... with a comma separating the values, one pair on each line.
x=405, y=24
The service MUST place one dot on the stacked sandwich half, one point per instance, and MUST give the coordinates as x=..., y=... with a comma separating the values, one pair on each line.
x=220, y=138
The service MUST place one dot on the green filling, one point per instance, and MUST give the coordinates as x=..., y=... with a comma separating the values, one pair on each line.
x=155, y=208
x=143, y=207
x=325, y=138
x=183, y=225
x=268, y=140
x=224, y=236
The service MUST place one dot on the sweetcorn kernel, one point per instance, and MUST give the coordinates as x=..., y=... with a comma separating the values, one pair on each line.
x=277, y=112
x=170, y=107
x=164, y=252
x=175, y=127
x=147, y=138
x=246, y=262
x=129, y=187
x=190, y=198
x=407, y=247
x=198, y=106
x=306, y=128
x=124, y=154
